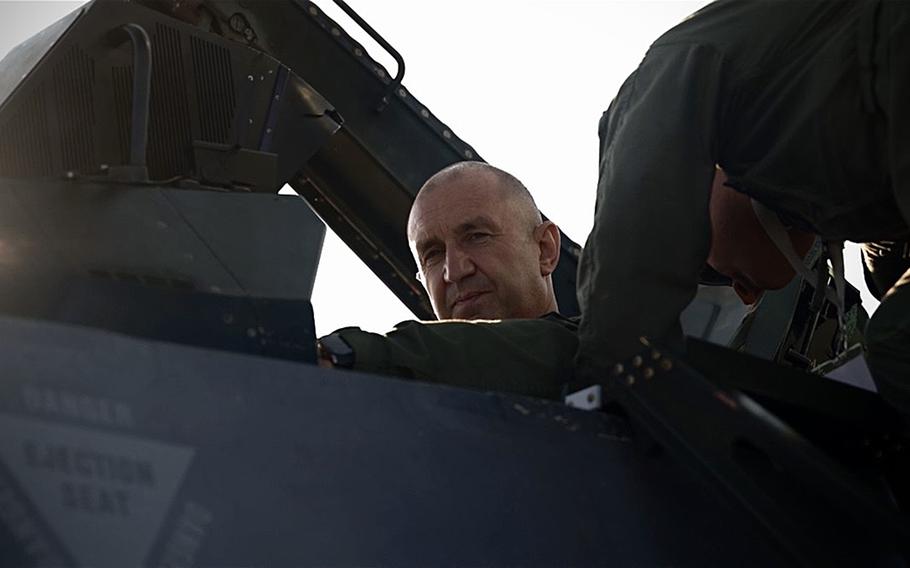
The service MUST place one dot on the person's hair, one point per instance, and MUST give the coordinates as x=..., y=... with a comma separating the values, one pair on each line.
x=505, y=181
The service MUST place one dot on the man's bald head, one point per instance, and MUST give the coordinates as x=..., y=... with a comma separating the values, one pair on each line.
x=481, y=245
x=482, y=173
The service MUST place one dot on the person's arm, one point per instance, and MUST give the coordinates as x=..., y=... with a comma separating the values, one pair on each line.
x=651, y=234
x=530, y=357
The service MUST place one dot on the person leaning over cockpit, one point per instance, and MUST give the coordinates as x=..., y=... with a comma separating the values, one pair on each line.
x=804, y=107
x=485, y=256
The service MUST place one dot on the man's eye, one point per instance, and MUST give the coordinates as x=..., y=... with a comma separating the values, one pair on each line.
x=478, y=237
x=430, y=257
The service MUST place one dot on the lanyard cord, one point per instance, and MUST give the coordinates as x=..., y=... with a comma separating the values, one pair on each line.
x=835, y=252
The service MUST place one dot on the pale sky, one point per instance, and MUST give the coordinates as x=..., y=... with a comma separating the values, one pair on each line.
x=523, y=81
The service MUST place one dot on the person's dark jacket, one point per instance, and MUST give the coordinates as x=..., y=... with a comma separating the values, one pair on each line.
x=793, y=100
x=530, y=357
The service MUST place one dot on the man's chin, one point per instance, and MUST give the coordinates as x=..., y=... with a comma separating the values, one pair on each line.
x=773, y=282
x=479, y=307
x=747, y=294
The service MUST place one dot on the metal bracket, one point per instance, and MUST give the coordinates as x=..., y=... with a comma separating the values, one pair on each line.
x=396, y=82
x=590, y=398
x=137, y=169
x=142, y=88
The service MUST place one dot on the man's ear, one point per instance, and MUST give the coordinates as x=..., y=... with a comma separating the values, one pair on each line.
x=548, y=240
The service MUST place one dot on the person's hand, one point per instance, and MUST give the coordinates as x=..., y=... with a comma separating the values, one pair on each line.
x=333, y=352
x=323, y=357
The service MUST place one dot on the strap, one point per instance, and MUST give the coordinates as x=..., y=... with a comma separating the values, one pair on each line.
x=775, y=229
x=836, y=254
x=835, y=251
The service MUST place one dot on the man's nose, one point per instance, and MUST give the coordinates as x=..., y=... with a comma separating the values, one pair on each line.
x=458, y=265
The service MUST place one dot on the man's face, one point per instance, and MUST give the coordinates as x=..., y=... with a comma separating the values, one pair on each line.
x=742, y=250
x=478, y=251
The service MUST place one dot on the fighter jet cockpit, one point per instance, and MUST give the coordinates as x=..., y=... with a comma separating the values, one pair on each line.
x=160, y=404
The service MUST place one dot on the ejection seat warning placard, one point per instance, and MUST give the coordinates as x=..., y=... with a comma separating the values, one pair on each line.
x=104, y=495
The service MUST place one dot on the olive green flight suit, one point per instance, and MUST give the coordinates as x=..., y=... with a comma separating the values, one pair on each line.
x=530, y=357
x=806, y=107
